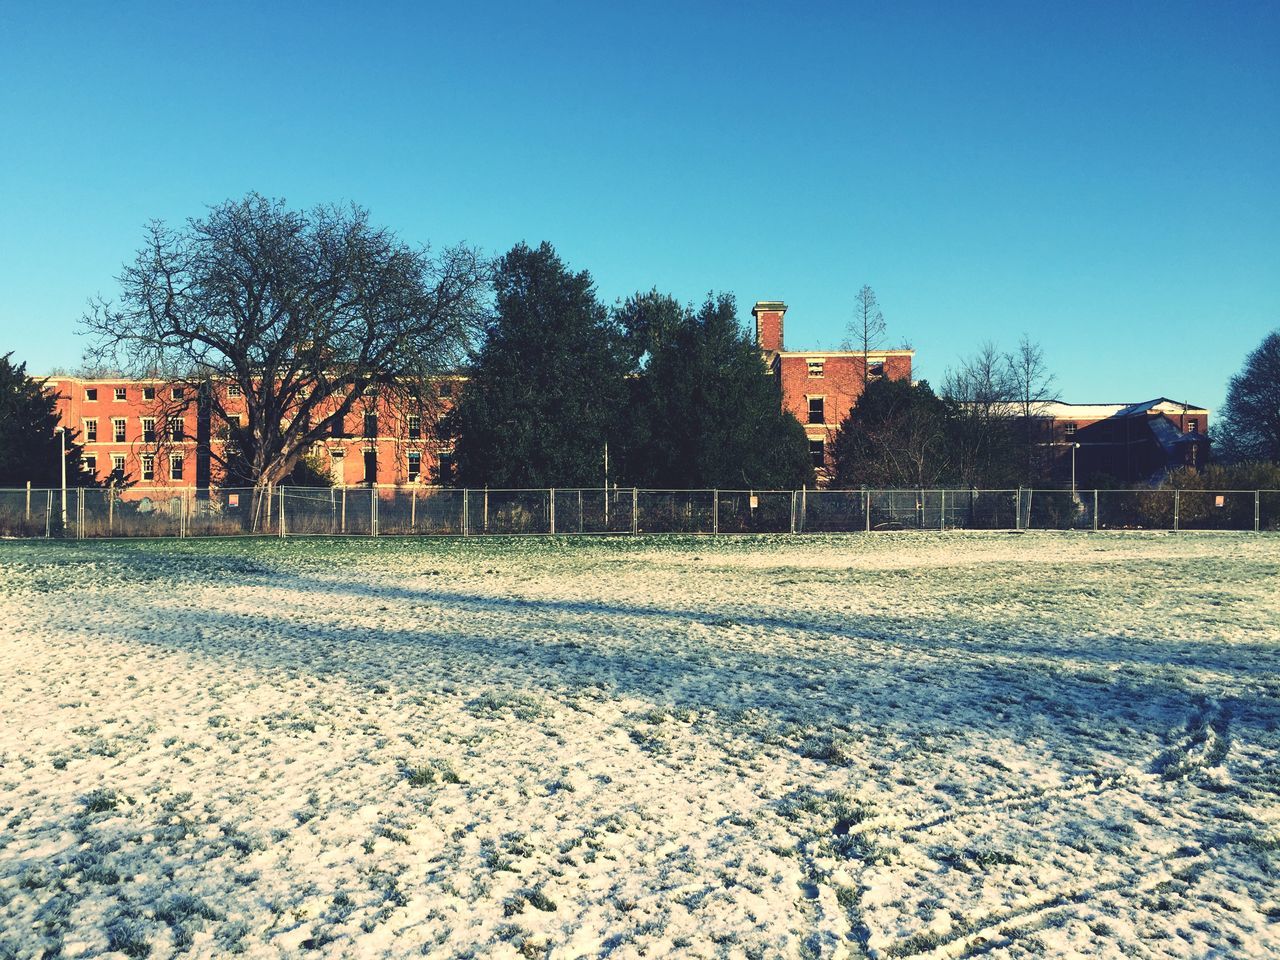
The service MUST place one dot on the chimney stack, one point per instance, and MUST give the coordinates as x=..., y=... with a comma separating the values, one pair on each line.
x=768, y=314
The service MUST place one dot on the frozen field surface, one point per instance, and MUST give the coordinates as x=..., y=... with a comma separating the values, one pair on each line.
x=890, y=746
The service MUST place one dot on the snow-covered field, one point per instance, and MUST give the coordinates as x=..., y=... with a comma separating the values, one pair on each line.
x=901, y=745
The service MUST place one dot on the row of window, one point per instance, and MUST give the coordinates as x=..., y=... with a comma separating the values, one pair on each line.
x=175, y=429
x=817, y=368
x=177, y=466
x=121, y=394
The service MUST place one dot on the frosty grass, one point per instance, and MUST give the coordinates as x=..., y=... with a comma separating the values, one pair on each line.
x=896, y=745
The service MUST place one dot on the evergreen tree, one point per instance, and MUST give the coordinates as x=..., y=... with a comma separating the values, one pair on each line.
x=547, y=386
x=895, y=436
x=29, y=443
x=704, y=411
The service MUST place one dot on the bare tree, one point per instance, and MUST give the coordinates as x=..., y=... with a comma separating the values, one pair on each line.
x=300, y=316
x=980, y=393
x=1032, y=385
x=867, y=328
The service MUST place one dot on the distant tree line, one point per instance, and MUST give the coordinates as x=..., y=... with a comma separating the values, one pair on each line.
x=308, y=312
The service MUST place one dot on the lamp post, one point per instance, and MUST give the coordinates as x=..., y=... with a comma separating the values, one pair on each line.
x=1074, y=448
x=62, y=447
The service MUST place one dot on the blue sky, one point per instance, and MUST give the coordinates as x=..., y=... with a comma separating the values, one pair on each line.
x=1102, y=177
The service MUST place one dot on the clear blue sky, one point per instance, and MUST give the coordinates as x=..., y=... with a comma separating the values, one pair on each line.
x=1104, y=177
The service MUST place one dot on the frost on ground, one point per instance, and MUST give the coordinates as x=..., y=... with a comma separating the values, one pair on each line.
x=1034, y=745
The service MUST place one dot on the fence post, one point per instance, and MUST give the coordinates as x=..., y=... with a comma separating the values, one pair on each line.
x=342, y=528
x=1257, y=511
x=1177, y=501
x=28, y=520
x=373, y=510
x=80, y=514
x=866, y=511
x=1095, y=511
x=283, y=531
x=551, y=496
x=413, y=510
x=581, y=522
x=635, y=511
x=793, y=511
x=1017, y=511
x=942, y=510
x=715, y=510
x=465, y=498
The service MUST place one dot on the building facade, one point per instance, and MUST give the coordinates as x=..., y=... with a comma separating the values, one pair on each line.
x=155, y=433
x=1122, y=442
x=820, y=387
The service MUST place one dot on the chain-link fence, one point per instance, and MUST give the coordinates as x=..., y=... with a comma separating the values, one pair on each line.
x=432, y=511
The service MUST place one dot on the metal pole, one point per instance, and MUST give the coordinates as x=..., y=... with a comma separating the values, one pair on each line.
x=793, y=511
x=866, y=511
x=343, y=528
x=28, y=501
x=1257, y=510
x=48, y=513
x=485, y=516
x=1095, y=510
x=635, y=508
x=373, y=511
x=580, y=525
x=942, y=520
x=715, y=511
x=465, y=498
x=413, y=510
x=282, y=528
x=62, y=446
x=551, y=495
x=1177, y=500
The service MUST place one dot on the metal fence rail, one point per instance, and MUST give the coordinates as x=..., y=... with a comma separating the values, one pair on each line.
x=437, y=511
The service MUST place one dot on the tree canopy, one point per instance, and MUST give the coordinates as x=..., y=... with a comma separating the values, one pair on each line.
x=704, y=413
x=1250, y=428
x=895, y=436
x=305, y=313
x=30, y=449
x=547, y=386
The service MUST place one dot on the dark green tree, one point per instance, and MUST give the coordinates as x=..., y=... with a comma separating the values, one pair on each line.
x=29, y=443
x=704, y=412
x=895, y=436
x=1250, y=428
x=547, y=386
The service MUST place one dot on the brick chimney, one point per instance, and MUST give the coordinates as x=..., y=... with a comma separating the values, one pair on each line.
x=768, y=314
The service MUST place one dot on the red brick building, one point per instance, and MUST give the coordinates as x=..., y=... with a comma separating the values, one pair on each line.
x=1123, y=442
x=153, y=433
x=821, y=386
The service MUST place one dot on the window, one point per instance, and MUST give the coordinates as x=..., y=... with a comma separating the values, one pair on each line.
x=1069, y=429
x=415, y=466
x=120, y=393
x=817, y=412
x=91, y=465
x=816, y=368
x=91, y=430
x=445, y=390
x=233, y=390
x=148, y=429
x=233, y=421
x=1193, y=425
x=179, y=393
x=148, y=467
x=117, y=429
x=875, y=369
x=177, y=429
x=370, y=424
x=148, y=393
x=117, y=466
x=175, y=467
x=339, y=428
x=818, y=453
x=415, y=427
x=371, y=466
x=444, y=468
x=337, y=464
x=91, y=393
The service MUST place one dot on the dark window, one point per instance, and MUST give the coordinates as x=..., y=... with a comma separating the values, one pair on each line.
x=91, y=393
x=148, y=393
x=177, y=429
x=371, y=466
x=179, y=393
x=444, y=468
x=148, y=430
x=91, y=430
x=1070, y=429
x=415, y=466
x=818, y=453
x=91, y=465
x=1193, y=425
x=817, y=413
x=415, y=427
x=446, y=390
x=120, y=393
x=175, y=468
x=339, y=428
x=370, y=424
